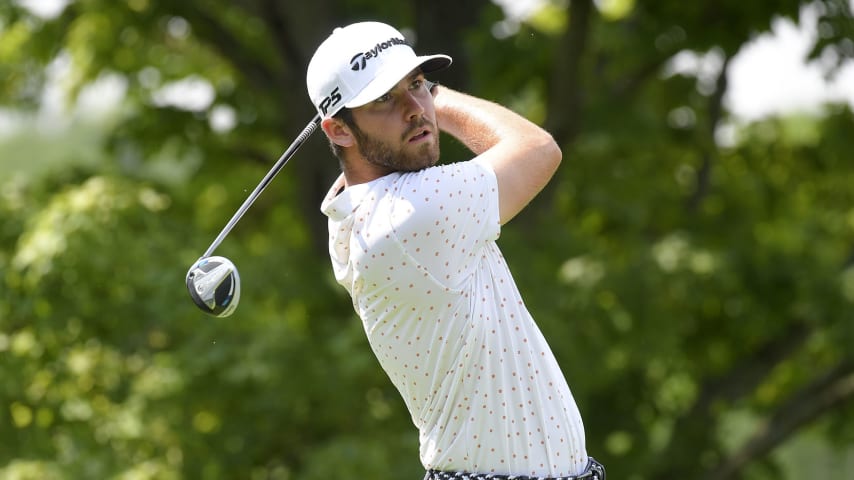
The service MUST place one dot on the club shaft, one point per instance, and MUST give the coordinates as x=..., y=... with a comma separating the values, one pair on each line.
x=280, y=163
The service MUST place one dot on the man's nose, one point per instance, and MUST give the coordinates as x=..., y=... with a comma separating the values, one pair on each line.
x=413, y=104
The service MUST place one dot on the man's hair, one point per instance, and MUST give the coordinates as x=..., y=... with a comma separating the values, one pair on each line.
x=346, y=116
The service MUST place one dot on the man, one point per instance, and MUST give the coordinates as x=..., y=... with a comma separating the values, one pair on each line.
x=414, y=244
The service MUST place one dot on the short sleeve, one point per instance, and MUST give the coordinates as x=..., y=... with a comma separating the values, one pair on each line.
x=444, y=216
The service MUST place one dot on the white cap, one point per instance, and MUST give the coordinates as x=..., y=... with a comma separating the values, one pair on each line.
x=361, y=62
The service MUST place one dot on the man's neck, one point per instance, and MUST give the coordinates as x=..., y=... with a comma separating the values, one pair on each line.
x=358, y=170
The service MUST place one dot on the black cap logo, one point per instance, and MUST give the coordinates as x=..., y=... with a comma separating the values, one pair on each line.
x=360, y=60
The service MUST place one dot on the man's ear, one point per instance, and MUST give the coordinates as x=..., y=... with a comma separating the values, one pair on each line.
x=338, y=132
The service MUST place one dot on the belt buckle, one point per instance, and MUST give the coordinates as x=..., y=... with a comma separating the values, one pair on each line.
x=597, y=469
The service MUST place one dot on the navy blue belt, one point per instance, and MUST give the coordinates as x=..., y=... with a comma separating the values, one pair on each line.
x=594, y=471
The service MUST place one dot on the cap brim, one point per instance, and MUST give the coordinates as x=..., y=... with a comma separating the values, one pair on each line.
x=388, y=78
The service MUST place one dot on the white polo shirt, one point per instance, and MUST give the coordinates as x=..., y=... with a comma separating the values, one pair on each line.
x=417, y=253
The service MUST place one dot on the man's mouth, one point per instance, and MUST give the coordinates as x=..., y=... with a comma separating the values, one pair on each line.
x=419, y=136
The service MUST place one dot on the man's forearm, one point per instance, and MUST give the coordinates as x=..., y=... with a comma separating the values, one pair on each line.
x=523, y=155
x=480, y=124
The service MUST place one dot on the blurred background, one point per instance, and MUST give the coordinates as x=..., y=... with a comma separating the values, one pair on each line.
x=692, y=262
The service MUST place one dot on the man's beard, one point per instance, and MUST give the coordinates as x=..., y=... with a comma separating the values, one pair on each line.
x=381, y=153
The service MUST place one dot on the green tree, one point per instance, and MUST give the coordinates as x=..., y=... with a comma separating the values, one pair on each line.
x=699, y=294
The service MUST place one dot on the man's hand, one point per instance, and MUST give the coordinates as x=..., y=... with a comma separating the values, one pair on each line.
x=431, y=86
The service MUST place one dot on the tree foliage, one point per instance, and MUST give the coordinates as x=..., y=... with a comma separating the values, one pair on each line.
x=698, y=292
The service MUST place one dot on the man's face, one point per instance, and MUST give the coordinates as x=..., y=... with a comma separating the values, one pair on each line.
x=398, y=131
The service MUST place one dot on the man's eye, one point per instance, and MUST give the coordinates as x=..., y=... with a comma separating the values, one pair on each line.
x=417, y=84
x=383, y=98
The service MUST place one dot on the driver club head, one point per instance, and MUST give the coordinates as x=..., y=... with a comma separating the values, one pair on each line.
x=214, y=285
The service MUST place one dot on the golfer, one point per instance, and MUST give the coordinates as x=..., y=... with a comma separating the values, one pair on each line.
x=414, y=243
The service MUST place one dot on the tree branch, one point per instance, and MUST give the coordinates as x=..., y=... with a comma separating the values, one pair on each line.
x=276, y=18
x=441, y=26
x=563, y=120
x=633, y=81
x=691, y=428
x=565, y=84
x=849, y=262
x=708, y=143
x=742, y=380
x=214, y=33
x=832, y=390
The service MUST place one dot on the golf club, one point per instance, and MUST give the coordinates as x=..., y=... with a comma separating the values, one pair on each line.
x=213, y=281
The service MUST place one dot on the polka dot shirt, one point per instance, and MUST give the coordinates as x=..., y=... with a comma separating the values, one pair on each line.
x=441, y=311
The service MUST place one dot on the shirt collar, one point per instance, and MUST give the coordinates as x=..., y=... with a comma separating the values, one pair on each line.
x=341, y=201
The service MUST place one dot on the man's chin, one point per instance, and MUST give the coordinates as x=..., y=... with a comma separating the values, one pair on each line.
x=425, y=156
x=421, y=164
x=428, y=155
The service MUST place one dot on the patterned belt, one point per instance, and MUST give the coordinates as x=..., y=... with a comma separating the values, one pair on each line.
x=594, y=471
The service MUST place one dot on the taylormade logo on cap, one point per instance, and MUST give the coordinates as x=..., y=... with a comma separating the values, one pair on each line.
x=361, y=62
